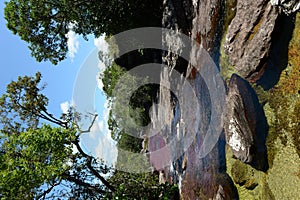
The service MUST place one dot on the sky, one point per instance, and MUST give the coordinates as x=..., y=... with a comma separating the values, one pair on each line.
x=68, y=83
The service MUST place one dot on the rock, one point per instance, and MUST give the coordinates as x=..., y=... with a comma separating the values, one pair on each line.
x=243, y=175
x=248, y=40
x=245, y=124
x=208, y=25
x=287, y=6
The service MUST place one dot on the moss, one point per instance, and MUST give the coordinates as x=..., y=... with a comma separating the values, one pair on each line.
x=256, y=28
x=298, y=173
x=226, y=70
x=290, y=78
x=281, y=177
x=230, y=10
x=267, y=192
x=251, y=183
x=282, y=107
x=242, y=174
x=263, y=96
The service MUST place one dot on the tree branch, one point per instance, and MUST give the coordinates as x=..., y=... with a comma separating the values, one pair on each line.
x=43, y=195
x=89, y=129
x=90, y=167
x=84, y=184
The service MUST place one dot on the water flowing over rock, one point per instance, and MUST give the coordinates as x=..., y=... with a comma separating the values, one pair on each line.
x=248, y=40
x=253, y=40
x=246, y=127
x=199, y=175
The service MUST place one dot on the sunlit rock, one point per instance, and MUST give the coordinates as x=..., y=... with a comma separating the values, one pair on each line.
x=249, y=37
x=245, y=124
x=288, y=7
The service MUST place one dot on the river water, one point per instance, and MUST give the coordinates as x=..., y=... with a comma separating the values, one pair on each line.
x=188, y=146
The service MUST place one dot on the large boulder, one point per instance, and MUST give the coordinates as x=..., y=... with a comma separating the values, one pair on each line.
x=245, y=123
x=248, y=39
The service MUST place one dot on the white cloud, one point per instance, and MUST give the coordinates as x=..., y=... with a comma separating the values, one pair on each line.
x=101, y=125
x=99, y=79
x=101, y=44
x=64, y=107
x=94, y=131
x=73, y=43
x=101, y=66
x=106, y=104
x=106, y=150
x=99, y=142
x=105, y=112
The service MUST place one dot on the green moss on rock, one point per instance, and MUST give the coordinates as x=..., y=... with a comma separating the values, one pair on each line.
x=282, y=109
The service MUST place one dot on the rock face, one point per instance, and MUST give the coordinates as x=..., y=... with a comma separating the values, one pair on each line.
x=288, y=7
x=248, y=39
x=245, y=123
x=197, y=176
x=208, y=25
x=252, y=47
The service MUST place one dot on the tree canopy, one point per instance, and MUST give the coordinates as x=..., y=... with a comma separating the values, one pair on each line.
x=44, y=24
x=36, y=149
x=41, y=156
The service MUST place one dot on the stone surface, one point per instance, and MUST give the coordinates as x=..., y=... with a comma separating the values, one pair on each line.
x=245, y=124
x=197, y=177
x=208, y=25
x=248, y=40
x=287, y=6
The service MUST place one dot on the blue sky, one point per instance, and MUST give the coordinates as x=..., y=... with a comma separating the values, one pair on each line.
x=16, y=61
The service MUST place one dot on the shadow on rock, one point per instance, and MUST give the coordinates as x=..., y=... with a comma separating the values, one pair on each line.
x=245, y=123
x=278, y=59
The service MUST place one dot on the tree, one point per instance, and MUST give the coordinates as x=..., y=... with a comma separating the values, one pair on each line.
x=24, y=102
x=141, y=186
x=131, y=185
x=36, y=158
x=32, y=159
x=44, y=24
x=116, y=82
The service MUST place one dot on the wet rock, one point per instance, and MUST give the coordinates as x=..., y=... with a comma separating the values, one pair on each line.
x=226, y=189
x=208, y=25
x=287, y=6
x=178, y=14
x=248, y=39
x=245, y=124
x=183, y=10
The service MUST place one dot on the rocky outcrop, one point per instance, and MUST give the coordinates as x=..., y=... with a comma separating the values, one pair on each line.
x=248, y=39
x=245, y=123
x=208, y=25
x=250, y=44
x=287, y=6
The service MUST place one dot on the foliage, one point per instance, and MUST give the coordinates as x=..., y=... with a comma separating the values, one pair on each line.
x=127, y=115
x=110, y=78
x=141, y=186
x=25, y=103
x=37, y=158
x=33, y=158
x=136, y=185
x=130, y=143
x=45, y=24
